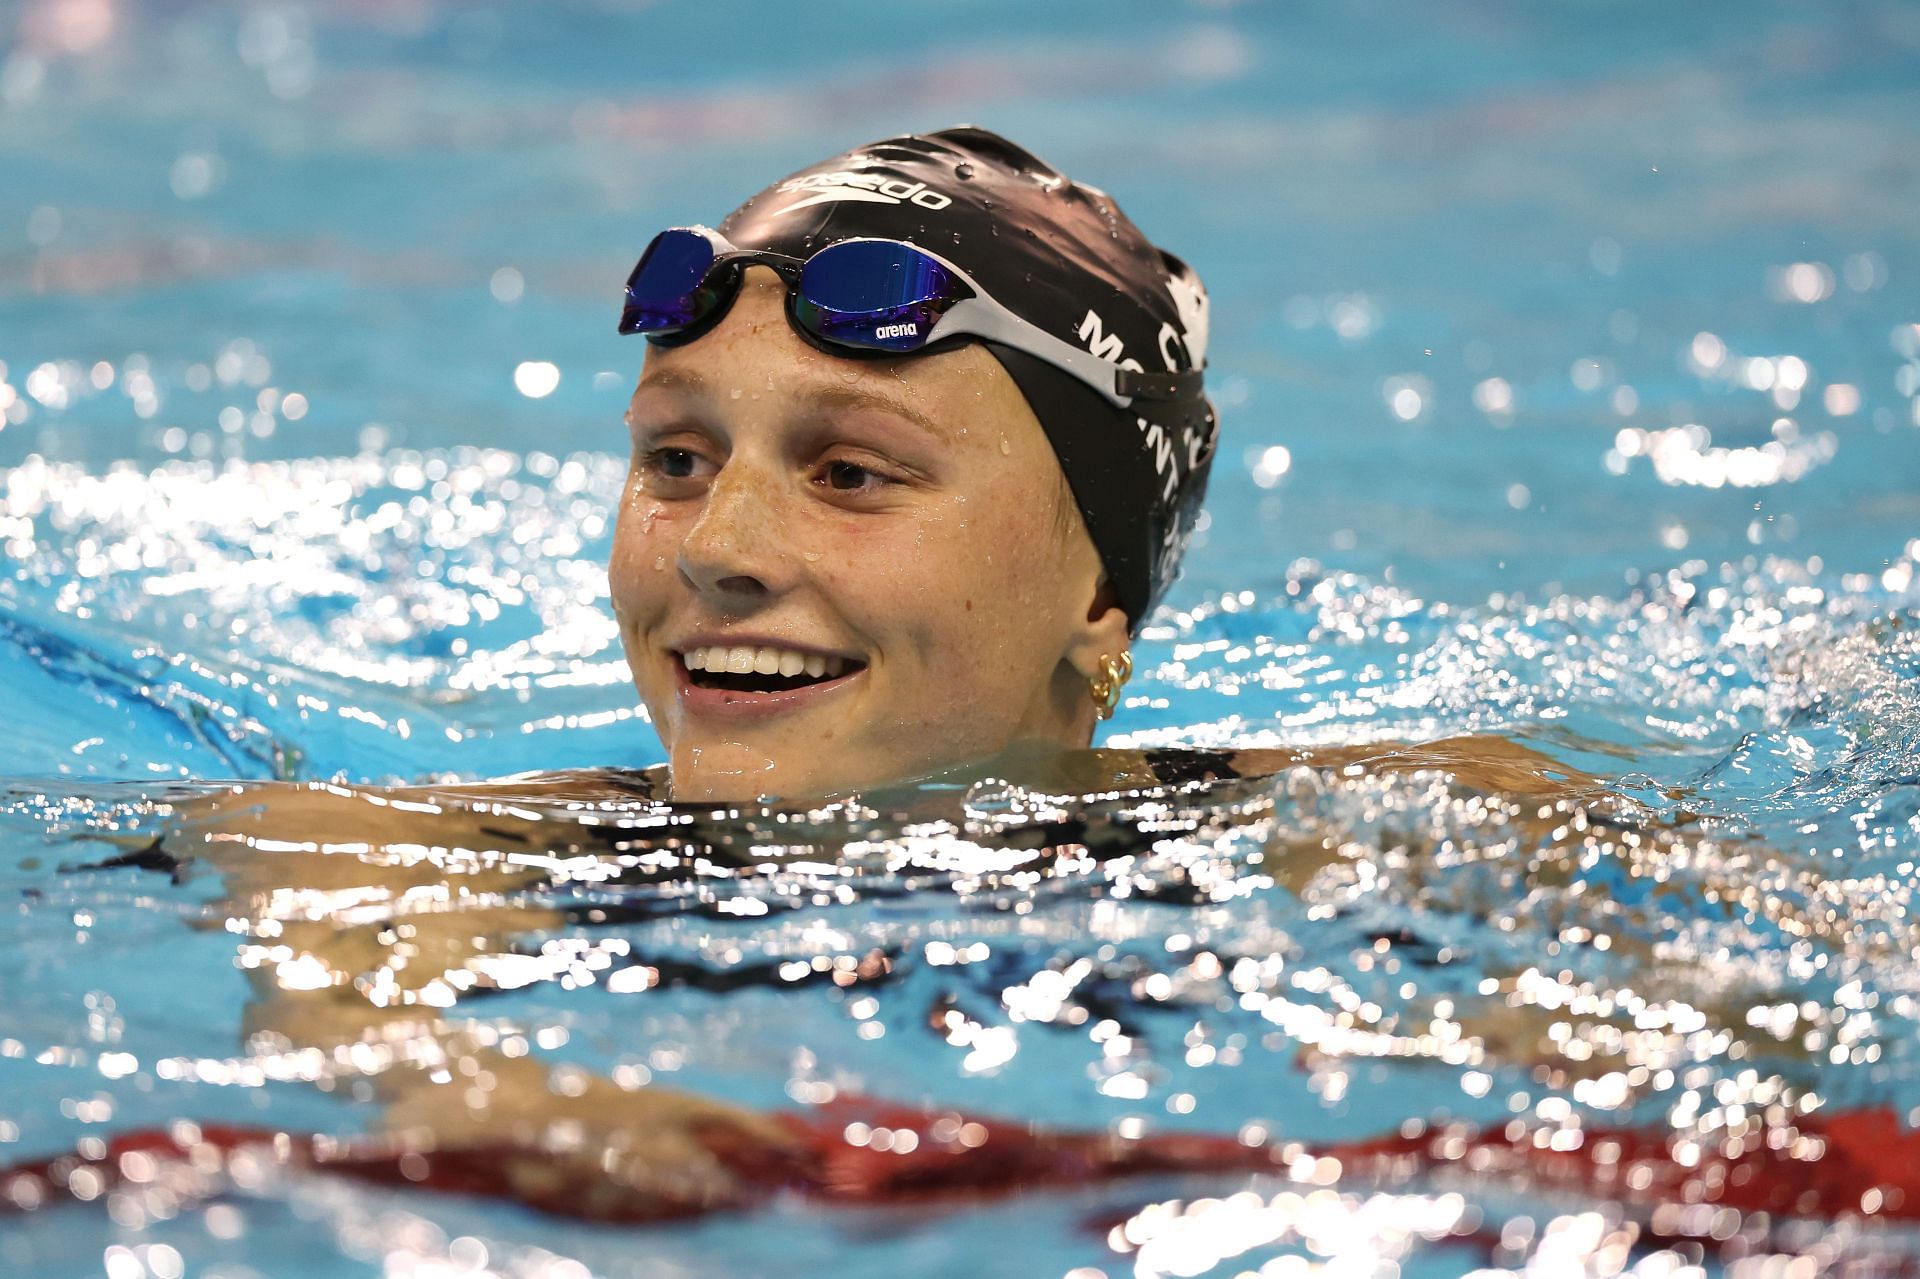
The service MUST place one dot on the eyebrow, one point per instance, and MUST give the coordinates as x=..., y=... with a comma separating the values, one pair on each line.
x=842, y=396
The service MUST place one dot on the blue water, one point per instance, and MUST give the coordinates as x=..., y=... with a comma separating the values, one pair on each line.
x=1569, y=360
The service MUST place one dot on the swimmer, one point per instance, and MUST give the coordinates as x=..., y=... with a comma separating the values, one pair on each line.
x=919, y=441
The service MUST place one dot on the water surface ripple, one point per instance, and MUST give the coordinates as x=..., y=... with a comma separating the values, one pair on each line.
x=1692, y=919
x=1564, y=542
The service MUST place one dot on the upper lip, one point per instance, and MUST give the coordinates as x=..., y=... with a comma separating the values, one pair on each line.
x=717, y=640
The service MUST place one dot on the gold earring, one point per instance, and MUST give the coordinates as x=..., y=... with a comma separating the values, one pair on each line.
x=1105, y=687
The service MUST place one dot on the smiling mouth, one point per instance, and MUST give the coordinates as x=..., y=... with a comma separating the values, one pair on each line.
x=749, y=669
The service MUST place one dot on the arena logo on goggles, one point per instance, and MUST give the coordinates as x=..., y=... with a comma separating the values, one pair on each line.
x=868, y=187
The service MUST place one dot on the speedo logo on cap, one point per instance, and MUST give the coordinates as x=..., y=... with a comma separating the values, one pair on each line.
x=869, y=188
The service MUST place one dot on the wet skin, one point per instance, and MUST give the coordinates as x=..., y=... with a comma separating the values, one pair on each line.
x=903, y=516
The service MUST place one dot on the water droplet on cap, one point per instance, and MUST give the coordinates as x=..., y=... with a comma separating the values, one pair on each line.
x=963, y=171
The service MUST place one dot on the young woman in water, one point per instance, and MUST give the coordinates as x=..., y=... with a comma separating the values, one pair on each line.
x=918, y=443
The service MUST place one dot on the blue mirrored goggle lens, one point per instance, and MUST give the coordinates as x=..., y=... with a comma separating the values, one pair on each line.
x=667, y=290
x=874, y=295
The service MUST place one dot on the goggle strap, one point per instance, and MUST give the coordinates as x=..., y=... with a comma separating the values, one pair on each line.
x=1157, y=386
x=982, y=316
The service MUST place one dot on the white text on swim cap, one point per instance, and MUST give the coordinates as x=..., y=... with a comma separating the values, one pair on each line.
x=870, y=188
x=1106, y=346
x=1190, y=301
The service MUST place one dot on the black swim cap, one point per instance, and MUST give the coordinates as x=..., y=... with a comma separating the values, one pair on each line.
x=1061, y=256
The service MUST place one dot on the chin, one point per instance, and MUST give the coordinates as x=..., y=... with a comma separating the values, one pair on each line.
x=736, y=771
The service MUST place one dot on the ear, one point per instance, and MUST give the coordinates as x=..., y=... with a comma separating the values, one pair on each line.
x=1104, y=633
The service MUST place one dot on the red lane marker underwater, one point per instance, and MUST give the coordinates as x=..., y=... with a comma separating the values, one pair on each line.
x=859, y=1152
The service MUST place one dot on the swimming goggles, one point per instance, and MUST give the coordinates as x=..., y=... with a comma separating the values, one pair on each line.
x=863, y=298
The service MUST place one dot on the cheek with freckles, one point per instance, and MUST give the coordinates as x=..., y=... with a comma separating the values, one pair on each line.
x=641, y=582
x=633, y=529
x=965, y=613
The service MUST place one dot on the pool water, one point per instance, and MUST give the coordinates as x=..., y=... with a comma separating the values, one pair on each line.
x=1569, y=361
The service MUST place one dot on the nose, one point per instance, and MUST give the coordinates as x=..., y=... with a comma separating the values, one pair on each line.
x=733, y=551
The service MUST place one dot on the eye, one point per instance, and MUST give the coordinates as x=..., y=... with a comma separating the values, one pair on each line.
x=675, y=464
x=851, y=477
x=857, y=476
x=672, y=470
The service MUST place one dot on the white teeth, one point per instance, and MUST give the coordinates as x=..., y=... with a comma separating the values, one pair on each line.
x=764, y=660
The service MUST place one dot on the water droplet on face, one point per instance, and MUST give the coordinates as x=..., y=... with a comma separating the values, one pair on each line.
x=1006, y=447
x=810, y=556
x=734, y=394
x=659, y=563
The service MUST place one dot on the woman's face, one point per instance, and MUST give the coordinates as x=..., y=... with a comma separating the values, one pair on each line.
x=832, y=573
